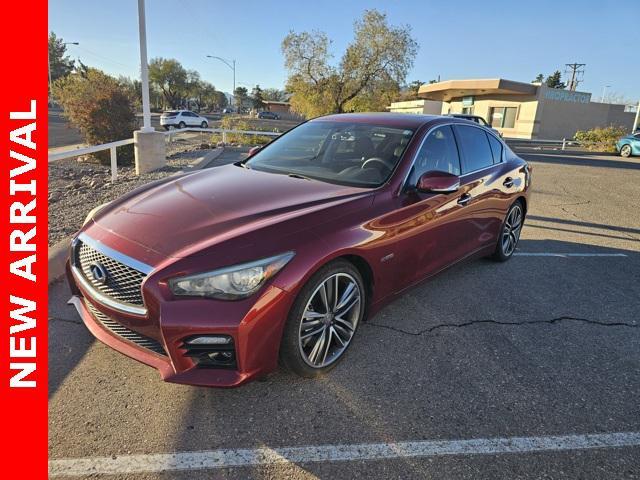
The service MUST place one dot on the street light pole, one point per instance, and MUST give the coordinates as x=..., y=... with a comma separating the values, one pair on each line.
x=604, y=89
x=635, y=122
x=232, y=66
x=144, y=70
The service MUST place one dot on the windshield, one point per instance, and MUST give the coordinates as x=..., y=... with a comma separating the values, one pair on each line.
x=353, y=154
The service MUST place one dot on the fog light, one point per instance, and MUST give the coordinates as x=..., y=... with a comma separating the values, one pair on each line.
x=210, y=340
x=211, y=351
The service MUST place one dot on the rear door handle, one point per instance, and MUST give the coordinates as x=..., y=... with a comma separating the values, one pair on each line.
x=464, y=199
x=508, y=182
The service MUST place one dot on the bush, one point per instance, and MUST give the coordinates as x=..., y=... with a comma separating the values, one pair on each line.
x=601, y=139
x=100, y=107
x=237, y=123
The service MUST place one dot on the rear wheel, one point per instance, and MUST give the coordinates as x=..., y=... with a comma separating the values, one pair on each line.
x=625, y=151
x=323, y=320
x=182, y=125
x=510, y=233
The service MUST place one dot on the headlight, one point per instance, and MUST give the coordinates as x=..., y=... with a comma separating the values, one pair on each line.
x=93, y=213
x=230, y=283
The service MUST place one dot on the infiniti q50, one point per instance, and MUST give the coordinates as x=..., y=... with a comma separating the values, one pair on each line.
x=218, y=276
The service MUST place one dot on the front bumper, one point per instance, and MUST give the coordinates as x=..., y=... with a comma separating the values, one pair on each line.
x=254, y=324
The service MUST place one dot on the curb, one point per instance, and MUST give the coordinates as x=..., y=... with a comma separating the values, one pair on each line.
x=58, y=258
x=208, y=159
x=58, y=253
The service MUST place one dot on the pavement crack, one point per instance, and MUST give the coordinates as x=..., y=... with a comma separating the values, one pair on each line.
x=66, y=320
x=429, y=330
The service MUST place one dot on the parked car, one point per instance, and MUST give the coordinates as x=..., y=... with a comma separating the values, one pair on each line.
x=629, y=145
x=228, y=110
x=476, y=119
x=213, y=277
x=182, y=119
x=269, y=115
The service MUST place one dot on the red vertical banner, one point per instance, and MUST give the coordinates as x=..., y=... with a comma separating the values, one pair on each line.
x=23, y=346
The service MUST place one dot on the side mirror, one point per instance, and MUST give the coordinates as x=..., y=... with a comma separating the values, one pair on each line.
x=253, y=151
x=438, y=182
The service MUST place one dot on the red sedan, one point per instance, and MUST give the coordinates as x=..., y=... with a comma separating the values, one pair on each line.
x=214, y=277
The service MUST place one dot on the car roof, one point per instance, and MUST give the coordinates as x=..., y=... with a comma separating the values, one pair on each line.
x=409, y=121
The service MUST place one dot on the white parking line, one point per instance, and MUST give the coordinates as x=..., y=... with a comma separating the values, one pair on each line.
x=564, y=255
x=334, y=453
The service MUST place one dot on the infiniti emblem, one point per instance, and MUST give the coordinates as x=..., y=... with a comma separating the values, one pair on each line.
x=99, y=273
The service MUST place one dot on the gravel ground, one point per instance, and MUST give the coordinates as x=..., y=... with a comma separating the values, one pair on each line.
x=75, y=187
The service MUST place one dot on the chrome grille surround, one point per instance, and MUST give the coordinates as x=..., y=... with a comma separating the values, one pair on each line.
x=124, y=332
x=122, y=289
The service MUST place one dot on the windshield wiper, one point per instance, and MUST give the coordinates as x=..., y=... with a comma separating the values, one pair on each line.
x=297, y=175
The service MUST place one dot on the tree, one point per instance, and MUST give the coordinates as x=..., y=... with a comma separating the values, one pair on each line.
x=554, y=80
x=221, y=100
x=170, y=77
x=257, y=97
x=134, y=87
x=240, y=95
x=60, y=64
x=274, y=95
x=379, y=57
x=539, y=78
x=100, y=106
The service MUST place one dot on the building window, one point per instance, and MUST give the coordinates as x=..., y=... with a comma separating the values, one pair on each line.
x=467, y=110
x=503, y=117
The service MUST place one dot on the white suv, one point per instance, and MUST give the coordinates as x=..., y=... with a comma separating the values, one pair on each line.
x=182, y=119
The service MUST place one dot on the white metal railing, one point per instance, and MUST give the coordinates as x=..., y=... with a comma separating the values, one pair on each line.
x=76, y=152
x=112, y=146
x=563, y=143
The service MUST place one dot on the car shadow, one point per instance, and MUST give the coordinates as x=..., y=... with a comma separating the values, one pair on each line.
x=68, y=338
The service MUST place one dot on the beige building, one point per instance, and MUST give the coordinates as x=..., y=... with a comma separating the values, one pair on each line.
x=423, y=107
x=521, y=110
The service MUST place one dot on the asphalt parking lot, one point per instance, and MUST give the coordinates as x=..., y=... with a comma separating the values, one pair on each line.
x=545, y=346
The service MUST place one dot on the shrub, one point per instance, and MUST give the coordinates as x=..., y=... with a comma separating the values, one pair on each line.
x=237, y=123
x=600, y=139
x=100, y=107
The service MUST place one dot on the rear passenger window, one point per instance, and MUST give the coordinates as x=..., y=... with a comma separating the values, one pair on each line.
x=476, y=152
x=496, y=148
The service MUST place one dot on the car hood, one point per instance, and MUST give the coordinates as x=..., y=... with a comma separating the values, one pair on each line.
x=180, y=217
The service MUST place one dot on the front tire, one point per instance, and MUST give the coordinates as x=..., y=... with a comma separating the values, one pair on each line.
x=204, y=125
x=323, y=320
x=625, y=151
x=509, y=233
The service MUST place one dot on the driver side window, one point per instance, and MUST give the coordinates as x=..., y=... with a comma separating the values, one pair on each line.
x=438, y=152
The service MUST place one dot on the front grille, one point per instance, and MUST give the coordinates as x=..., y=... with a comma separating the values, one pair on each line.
x=123, y=283
x=124, y=332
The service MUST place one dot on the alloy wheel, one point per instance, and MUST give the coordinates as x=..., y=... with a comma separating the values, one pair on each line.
x=511, y=230
x=329, y=320
x=625, y=151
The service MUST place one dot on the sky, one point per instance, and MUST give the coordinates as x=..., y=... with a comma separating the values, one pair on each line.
x=458, y=39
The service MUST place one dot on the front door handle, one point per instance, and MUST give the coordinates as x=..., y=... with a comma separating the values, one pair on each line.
x=464, y=199
x=508, y=182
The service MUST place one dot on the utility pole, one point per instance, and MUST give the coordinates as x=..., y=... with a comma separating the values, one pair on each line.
x=635, y=122
x=577, y=71
x=604, y=89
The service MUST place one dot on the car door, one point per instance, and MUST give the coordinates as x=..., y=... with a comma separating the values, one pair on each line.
x=482, y=185
x=429, y=229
